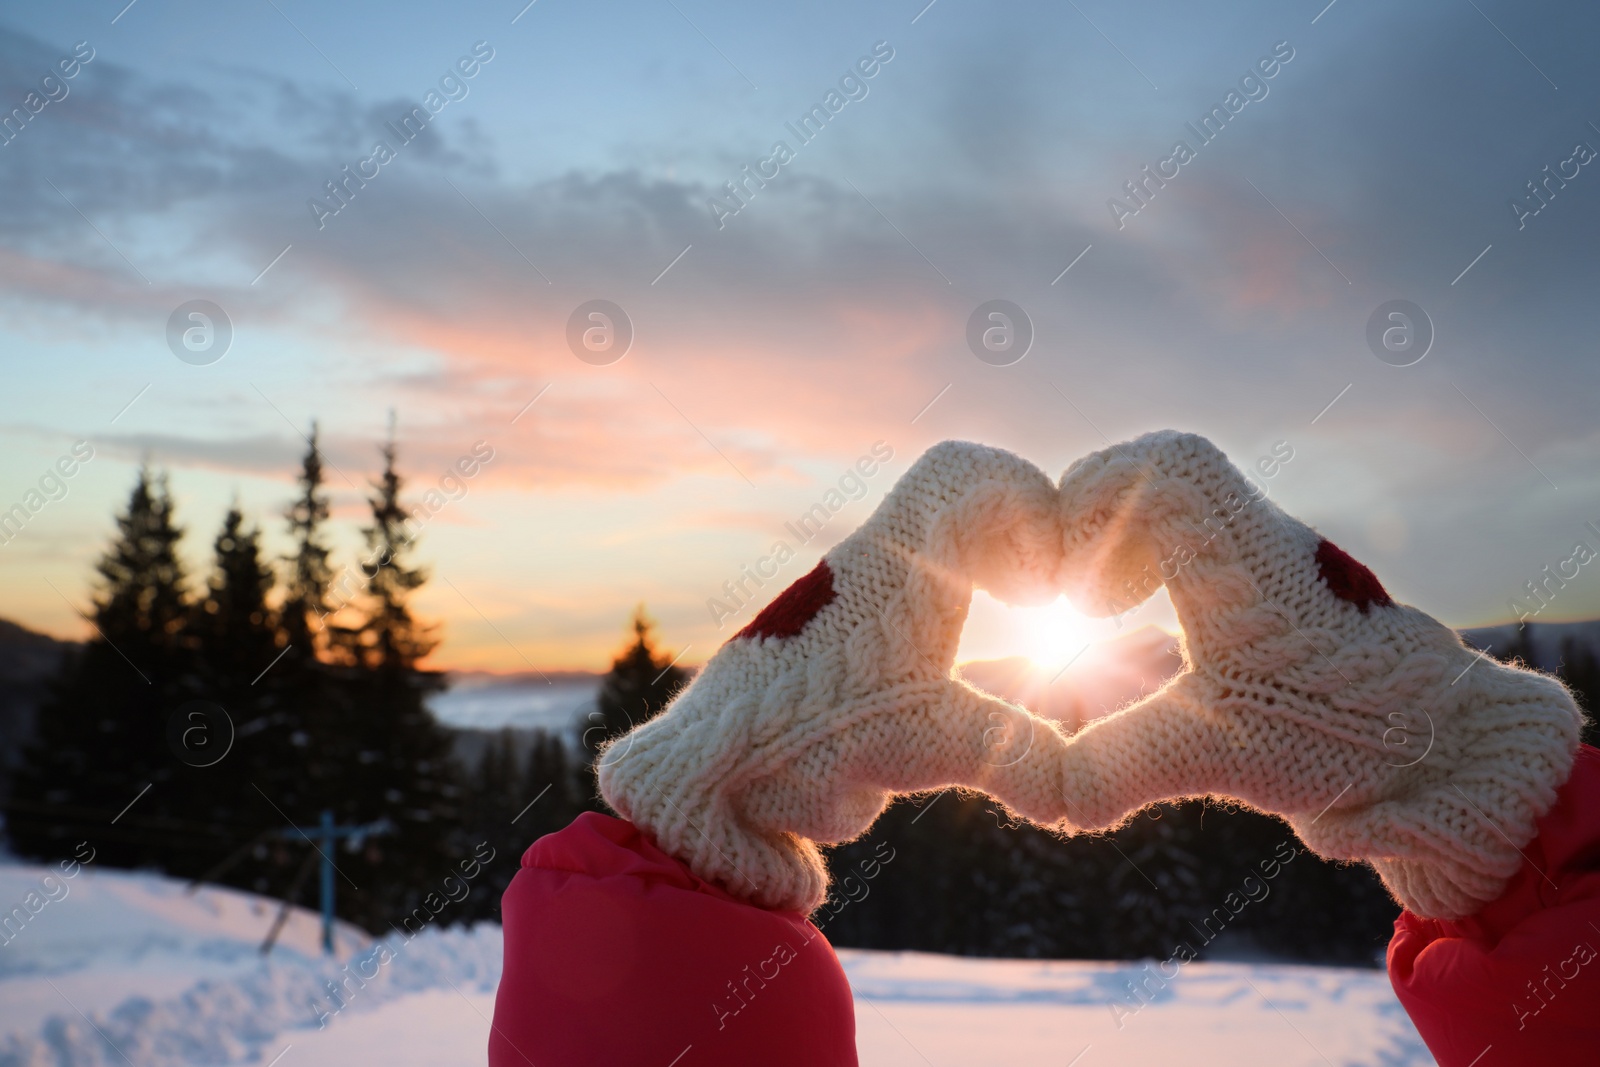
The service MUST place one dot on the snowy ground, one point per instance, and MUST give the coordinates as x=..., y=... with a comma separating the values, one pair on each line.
x=127, y=968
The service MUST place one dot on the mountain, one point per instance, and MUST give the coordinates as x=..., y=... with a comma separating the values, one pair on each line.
x=479, y=704
x=28, y=661
x=1545, y=645
x=1106, y=677
x=1117, y=672
x=554, y=701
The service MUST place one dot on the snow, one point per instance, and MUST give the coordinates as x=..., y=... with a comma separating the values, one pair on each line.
x=108, y=932
x=914, y=1009
x=127, y=967
x=488, y=702
x=123, y=966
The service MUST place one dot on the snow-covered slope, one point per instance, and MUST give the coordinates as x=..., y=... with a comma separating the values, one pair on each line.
x=914, y=1009
x=118, y=966
x=127, y=968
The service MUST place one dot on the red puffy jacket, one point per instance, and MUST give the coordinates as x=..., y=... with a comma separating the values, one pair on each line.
x=617, y=954
x=1519, y=982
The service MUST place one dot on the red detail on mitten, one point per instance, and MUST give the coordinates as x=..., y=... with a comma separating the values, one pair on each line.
x=1348, y=579
x=794, y=607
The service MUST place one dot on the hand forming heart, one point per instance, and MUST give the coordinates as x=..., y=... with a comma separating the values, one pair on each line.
x=1303, y=680
x=1300, y=671
x=840, y=692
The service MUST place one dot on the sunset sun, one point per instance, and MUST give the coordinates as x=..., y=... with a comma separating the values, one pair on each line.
x=1056, y=634
x=1051, y=635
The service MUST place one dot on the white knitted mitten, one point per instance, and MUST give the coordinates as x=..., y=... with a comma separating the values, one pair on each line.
x=840, y=693
x=1308, y=692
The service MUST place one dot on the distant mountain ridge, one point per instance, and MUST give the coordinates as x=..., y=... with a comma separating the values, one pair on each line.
x=1542, y=644
x=1120, y=671
x=28, y=660
x=1108, y=676
x=477, y=678
x=1104, y=678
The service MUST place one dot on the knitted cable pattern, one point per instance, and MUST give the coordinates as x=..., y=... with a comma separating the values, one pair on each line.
x=1308, y=692
x=840, y=693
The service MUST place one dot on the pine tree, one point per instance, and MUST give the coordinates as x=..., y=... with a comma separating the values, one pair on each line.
x=142, y=597
x=1580, y=669
x=103, y=733
x=639, y=685
x=392, y=637
x=491, y=801
x=305, y=605
x=311, y=707
x=1519, y=648
x=403, y=770
x=238, y=644
x=235, y=626
x=552, y=789
x=523, y=787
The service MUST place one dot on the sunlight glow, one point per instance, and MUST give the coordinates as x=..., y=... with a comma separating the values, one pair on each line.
x=1056, y=634
x=1049, y=636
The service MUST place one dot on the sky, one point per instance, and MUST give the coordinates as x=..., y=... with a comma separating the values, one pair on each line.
x=780, y=336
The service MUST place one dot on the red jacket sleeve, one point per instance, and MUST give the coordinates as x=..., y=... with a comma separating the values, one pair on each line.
x=1518, y=983
x=618, y=955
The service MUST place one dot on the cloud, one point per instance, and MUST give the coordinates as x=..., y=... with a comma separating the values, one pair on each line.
x=257, y=454
x=832, y=308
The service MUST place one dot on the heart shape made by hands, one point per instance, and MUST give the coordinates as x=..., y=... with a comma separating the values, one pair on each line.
x=840, y=693
x=1304, y=685
x=1307, y=691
